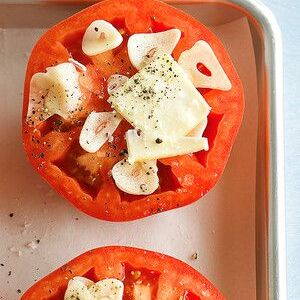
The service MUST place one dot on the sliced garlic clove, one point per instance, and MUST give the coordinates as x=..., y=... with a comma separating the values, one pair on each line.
x=83, y=288
x=143, y=47
x=54, y=92
x=148, y=147
x=114, y=82
x=199, y=129
x=202, y=53
x=97, y=129
x=136, y=179
x=77, y=64
x=100, y=37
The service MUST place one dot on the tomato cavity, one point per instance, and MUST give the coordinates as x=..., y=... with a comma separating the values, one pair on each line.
x=89, y=182
x=157, y=26
x=210, y=132
x=91, y=275
x=140, y=281
x=72, y=42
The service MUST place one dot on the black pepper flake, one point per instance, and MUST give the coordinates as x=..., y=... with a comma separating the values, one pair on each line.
x=96, y=29
x=19, y=291
x=2, y=265
x=38, y=241
x=123, y=152
x=143, y=187
x=42, y=155
x=11, y=215
x=158, y=141
x=9, y=273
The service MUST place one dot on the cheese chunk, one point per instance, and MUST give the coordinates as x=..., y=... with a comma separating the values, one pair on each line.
x=139, y=178
x=100, y=37
x=143, y=47
x=97, y=129
x=78, y=287
x=84, y=289
x=147, y=147
x=160, y=99
x=54, y=92
x=202, y=53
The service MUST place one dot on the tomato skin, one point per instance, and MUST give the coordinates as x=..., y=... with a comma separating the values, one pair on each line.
x=190, y=176
x=171, y=277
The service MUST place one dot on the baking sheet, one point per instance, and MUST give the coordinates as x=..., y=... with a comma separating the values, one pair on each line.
x=220, y=227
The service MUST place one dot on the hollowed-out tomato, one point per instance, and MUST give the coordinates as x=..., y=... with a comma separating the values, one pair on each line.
x=157, y=276
x=84, y=178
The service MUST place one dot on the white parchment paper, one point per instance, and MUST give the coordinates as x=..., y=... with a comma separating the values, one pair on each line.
x=220, y=227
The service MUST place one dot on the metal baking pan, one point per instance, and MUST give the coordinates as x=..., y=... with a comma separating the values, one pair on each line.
x=40, y=214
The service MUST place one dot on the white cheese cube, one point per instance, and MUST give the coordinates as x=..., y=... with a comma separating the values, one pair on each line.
x=54, y=92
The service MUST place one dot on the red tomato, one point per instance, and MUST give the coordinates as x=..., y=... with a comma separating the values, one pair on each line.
x=166, y=277
x=84, y=178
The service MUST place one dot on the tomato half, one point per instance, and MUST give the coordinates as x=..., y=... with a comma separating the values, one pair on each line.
x=84, y=178
x=166, y=277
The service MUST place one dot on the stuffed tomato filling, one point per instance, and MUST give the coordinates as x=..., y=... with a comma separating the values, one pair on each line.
x=129, y=117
